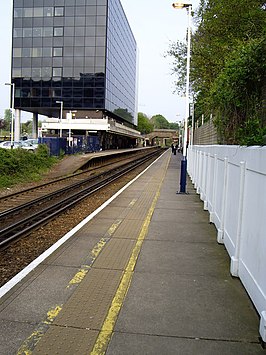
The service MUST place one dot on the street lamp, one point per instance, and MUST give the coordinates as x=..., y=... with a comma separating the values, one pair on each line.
x=183, y=175
x=13, y=113
x=69, y=116
x=180, y=5
x=61, y=116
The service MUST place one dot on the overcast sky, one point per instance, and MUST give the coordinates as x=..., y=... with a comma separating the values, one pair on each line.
x=154, y=24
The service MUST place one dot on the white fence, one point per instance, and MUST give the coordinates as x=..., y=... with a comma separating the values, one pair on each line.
x=231, y=180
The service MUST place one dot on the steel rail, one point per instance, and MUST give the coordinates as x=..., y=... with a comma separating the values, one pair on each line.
x=46, y=197
x=30, y=223
x=74, y=175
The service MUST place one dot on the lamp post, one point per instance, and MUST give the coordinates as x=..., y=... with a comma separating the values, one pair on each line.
x=61, y=116
x=192, y=110
x=183, y=174
x=70, y=115
x=13, y=113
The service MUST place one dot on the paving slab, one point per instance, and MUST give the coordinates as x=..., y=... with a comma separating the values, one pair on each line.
x=32, y=304
x=188, y=306
x=19, y=330
x=184, y=258
x=77, y=254
x=185, y=231
x=132, y=344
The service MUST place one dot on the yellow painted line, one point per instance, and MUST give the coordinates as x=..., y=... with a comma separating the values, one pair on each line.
x=79, y=276
x=114, y=227
x=132, y=203
x=105, y=334
x=29, y=344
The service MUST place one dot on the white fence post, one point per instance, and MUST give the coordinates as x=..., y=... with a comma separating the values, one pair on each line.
x=199, y=185
x=234, y=269
x=207, y=181
x=220, y=234
x=263, y=326
x=213, y=202
x=196, y=172
x=203, y=180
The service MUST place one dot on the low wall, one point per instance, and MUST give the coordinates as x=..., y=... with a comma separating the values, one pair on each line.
x=231, y=180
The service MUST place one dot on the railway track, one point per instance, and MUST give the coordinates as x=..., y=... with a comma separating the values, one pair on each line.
x=20, y=220
x=18, y=198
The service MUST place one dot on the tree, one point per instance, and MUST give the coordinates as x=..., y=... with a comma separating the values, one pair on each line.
x=160, y=122
x=173, y=125
x=227, y=63
x=8, y=117
x=144, y=124
x=178, y=51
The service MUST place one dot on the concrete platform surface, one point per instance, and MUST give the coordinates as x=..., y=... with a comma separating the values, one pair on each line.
x=144, y=276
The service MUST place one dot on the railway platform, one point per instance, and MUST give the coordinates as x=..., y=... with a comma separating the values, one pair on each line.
x=72, y=163
x=142, y=275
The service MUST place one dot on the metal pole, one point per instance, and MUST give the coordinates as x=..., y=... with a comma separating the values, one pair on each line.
x=187, y=83
x=61, y=116
x=183, y=174
x=69, y=130
x=193, y=123
x=13, y=113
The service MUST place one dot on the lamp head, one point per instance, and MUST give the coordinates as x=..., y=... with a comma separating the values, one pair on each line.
x=180, y=5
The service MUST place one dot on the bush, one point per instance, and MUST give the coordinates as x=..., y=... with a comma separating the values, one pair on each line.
x=18, y=165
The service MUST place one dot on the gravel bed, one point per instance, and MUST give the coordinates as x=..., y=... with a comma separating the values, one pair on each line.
x=16, y=257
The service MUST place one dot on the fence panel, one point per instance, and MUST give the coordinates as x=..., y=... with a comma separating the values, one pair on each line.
x=231, y=181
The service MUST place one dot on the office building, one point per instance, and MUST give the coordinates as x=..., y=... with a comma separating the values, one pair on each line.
x=74, y=55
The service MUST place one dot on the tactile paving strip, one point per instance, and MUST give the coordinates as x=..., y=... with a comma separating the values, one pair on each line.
x=141, y=207
x=66, y=341
x=128, y=229
x=89, y=304
x=115, y=255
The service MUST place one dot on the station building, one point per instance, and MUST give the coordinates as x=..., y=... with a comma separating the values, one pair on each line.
x=75, y=62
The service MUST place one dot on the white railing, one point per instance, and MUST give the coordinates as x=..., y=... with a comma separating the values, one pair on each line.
x=231, y=181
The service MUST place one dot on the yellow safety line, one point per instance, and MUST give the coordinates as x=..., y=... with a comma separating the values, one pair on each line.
x=106, y=332
x=79, y=276
x=30, y=343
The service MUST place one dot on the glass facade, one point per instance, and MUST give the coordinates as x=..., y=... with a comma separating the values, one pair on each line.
x=81, y=52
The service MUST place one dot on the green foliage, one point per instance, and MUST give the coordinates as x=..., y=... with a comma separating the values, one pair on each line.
x=18, y=165
x=173, y=125
x=228, y=68
x=178, y=52
x=160, y=122
x=5, y=122
x=252, y=133
x=2, y=123
x=144, y=124
x=237, y=90
x=8, y=115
